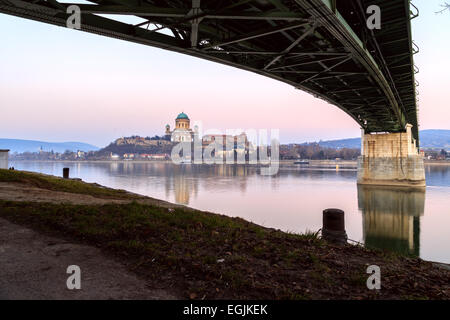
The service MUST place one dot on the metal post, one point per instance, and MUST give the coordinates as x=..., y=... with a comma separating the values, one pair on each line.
x=333, y=228
x=66, y=173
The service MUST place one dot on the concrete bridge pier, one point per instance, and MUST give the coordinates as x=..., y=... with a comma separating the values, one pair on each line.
x=390, y=159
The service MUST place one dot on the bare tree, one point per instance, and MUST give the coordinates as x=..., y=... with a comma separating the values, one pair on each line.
x=445, y=6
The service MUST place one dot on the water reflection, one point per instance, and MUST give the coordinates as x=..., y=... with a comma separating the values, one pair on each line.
x=184, y=183
x=183, y=180
x=437, y=175
x=391, y=218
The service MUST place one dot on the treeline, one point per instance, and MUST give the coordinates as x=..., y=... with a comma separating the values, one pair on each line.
x=155, y=137
x=50, y=155
x=313, y=151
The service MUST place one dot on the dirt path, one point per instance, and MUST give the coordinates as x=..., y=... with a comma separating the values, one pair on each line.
x=33, y=266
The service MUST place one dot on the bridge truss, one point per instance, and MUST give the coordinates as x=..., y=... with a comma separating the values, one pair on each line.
x=319, y=46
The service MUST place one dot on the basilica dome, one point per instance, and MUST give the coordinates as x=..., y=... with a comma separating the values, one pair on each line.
x=183, y=116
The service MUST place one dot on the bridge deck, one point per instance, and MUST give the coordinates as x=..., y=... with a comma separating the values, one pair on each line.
x=319, y=46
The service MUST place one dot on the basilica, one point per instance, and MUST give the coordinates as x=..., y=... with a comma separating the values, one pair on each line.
x=182, y=131
x=240, y=146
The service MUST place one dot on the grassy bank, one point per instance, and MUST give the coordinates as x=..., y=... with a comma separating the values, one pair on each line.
x=65, y=185
x=198, y=254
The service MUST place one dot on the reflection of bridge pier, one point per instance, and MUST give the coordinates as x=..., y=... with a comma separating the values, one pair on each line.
x=391, y=217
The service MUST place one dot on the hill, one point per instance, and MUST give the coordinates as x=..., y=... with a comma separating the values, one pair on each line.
x=429, y=139
x=19, y=145
x=352, y=143
x=436, y=139
x=137, y=145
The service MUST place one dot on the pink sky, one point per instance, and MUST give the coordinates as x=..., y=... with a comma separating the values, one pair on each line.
x=63, y=85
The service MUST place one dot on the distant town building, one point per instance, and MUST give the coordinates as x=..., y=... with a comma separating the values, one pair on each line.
x=81, y=154
x=114, y=156
x=129, y=155
x=156, y=156
x=4, y=158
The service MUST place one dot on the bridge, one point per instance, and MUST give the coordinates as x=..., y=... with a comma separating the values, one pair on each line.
x=323, y=47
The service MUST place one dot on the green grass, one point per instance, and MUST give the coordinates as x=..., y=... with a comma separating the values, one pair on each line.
x=60, y=184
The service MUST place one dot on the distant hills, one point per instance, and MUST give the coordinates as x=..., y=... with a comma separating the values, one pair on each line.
x=437, y=139
x=429, y=139
x=352, y=143
x=19, y=145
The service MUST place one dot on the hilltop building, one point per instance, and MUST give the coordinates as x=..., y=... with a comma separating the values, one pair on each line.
x=182, y=131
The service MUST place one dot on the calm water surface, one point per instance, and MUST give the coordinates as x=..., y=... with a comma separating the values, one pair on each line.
x=414, y=222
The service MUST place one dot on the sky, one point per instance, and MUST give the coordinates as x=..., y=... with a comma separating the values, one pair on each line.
x=58, y=84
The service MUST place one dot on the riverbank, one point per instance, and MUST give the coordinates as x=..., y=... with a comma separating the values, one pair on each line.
x=195, y=254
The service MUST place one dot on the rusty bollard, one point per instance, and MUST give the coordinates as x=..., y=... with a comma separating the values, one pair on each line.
x=66, y=173
x=333, y=226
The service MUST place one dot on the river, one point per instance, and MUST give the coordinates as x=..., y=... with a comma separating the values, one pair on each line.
x=411, y=222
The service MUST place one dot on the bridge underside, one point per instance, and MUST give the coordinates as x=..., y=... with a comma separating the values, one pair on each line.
x=319, y=46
